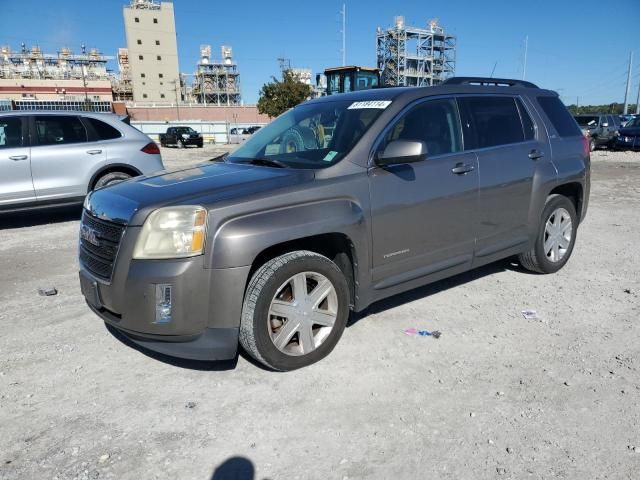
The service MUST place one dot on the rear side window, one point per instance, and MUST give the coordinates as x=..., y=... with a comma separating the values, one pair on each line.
x=496, y=120
x=559, y=116
x=434, y=122
x=10, y=132
x=59, y=130
x=103, y=130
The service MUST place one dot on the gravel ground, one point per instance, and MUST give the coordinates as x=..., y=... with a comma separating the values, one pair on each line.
x=496, y=396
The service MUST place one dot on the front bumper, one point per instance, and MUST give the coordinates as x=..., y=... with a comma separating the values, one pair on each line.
x=206, y=303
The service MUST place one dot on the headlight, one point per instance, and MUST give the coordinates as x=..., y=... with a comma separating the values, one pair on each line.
x=172, y=232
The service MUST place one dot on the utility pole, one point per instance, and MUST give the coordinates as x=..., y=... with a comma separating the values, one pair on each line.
x=526, y=48
x=177, y=86
x=344, y=34
x=626, y=92
x=638, y=99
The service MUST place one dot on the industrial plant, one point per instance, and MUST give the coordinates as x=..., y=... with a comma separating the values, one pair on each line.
x=147, y=82
x=216, y=82
x=413, y=56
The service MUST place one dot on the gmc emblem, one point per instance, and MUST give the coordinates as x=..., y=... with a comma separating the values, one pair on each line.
x=89, y=234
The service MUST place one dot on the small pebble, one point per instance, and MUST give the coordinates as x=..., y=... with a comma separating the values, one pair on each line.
x=490, y=442
x=509, y=450
x=501, y=471
x=567, y=384
x=190, y=405
x=472, y=414
x=104, y=458
x=343, y=461
x=500, y=394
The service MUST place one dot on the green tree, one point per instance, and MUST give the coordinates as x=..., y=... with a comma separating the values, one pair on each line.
x=280, y=95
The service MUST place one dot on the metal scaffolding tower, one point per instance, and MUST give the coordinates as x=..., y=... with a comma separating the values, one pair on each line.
x=410, y=56
x=216, y=83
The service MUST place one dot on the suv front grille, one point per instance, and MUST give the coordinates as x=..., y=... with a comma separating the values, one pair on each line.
x=99, y=242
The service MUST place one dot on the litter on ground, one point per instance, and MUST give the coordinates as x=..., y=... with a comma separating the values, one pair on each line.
x=414, y=332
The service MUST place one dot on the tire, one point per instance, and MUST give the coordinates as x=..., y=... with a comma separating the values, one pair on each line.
x=110, y=179
x=556, y=209
x=180, y=144
x=261, y=331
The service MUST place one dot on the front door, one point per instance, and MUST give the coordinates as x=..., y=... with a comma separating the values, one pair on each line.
x=423, y=213
x=16, y=185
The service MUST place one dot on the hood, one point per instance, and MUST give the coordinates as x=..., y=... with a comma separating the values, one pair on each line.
x=629, y=131
x=202, y=185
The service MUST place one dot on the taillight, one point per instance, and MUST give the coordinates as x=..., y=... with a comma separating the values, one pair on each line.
x=151, y=148
x=585, y=146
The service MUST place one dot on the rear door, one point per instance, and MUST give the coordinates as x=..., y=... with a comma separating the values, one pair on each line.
x=508, y=155
x=16, y=185
x=62, y=158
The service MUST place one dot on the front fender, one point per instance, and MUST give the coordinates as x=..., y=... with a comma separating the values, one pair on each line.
x=238, y=241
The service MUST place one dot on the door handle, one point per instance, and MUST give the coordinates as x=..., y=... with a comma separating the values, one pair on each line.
x=462, y=168
x=15, y=158
x=535, y=154
x=94, y=152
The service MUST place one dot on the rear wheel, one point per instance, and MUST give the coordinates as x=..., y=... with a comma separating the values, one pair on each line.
x=295, y=310
x=556, y=237
x=111, y=179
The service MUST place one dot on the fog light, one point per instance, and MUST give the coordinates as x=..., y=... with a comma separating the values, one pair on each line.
x=163, y=303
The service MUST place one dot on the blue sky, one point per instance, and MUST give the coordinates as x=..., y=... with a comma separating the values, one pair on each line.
x=578, y=47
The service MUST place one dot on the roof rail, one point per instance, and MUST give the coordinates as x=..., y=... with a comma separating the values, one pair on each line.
x=485, y=81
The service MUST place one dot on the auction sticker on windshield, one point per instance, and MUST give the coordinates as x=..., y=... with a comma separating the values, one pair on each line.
x=382, y=104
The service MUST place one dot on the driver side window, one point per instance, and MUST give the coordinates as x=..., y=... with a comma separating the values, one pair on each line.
x=434, y=122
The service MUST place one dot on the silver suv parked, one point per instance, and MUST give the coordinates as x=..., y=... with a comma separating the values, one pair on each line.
x=53, y=158
x=338, y=203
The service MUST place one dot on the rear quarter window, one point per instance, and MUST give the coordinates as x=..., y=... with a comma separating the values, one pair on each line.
x=103, y=130
x=559, y=116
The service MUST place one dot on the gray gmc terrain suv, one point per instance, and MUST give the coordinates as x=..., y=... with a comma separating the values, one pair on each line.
x=338, y=203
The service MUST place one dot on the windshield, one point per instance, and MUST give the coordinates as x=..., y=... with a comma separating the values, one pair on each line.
x=587, y=120
x=187, y=130
x=316, y=135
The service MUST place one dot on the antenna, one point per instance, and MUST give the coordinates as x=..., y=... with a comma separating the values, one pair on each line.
x=494, y=69
x=285, y=64
x=343, y=12
x=526, y=48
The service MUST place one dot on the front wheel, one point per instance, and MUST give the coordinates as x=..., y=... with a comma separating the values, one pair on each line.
x=556, y=237
x=295, y=310
x=180, y=144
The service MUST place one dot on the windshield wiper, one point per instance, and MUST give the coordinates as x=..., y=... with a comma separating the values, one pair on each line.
x=267, y=162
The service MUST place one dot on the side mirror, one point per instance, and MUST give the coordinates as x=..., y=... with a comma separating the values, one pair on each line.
x=605, y=124
x=402, y=151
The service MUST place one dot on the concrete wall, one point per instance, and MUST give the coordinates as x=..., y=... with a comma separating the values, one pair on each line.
x=212, y=132
x=247, y=114
x=153, y=52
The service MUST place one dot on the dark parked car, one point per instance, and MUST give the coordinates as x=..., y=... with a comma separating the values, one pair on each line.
x=600, y=128
x=629, y=135
x=273, y=247
x=181, y=137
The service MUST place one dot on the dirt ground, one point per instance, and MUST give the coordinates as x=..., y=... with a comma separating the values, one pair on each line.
x=496, y=396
